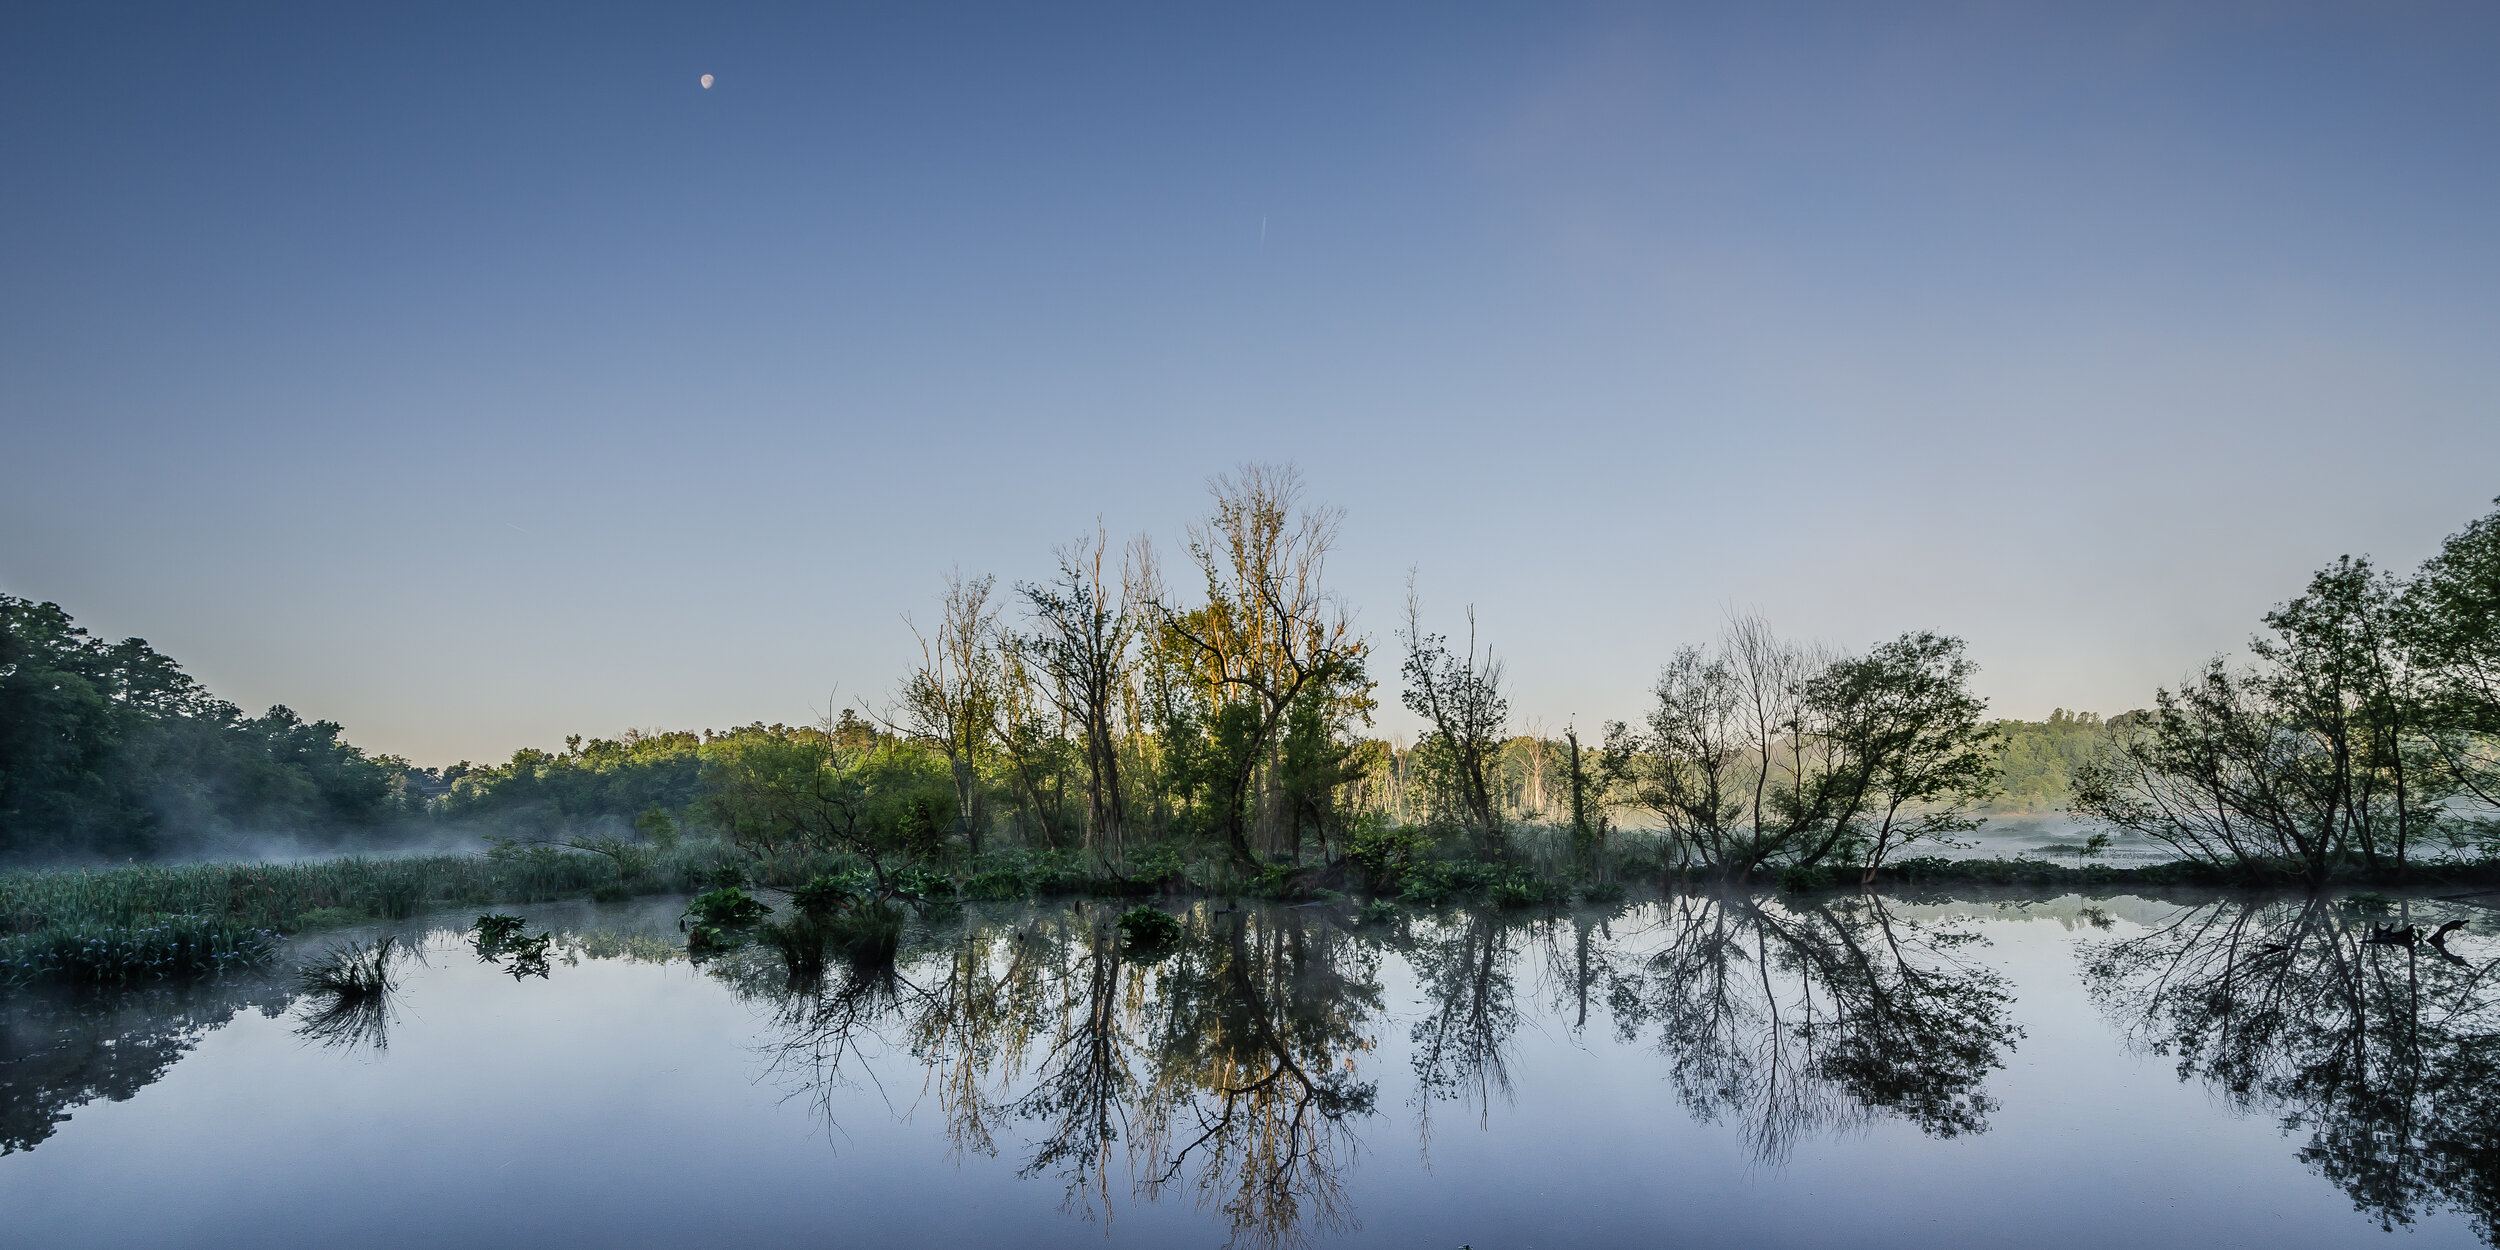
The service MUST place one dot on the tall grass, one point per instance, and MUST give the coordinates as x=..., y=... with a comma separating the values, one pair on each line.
x=151, y=922
x=276, y=896
x=171, y=948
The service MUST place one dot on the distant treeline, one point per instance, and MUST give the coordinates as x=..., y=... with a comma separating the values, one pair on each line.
x=111, y=750
x=1225, y=708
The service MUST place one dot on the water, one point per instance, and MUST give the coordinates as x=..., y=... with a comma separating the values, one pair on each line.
x=1693, y=1070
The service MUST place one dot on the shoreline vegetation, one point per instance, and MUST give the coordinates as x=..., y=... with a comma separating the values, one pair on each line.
x=1135, y=725
x=135, y=924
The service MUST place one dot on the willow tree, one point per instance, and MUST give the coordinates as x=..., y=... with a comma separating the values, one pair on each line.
x=1268, y=635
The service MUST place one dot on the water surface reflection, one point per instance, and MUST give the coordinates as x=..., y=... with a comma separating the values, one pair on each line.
x=2344, y=1019
x=1281, y=1076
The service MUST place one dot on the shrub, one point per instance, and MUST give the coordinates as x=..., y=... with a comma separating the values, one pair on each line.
x=868, y=936
x=1805, y=878
x=1149, y=928
x=998, y=885
x=829, y=893
x=729, y=907
x=924, y=884
x=1158, y=867
x=1386, y=852
x=801, y=941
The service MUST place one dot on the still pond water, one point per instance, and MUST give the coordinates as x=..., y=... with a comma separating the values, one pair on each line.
x=2192, y=1070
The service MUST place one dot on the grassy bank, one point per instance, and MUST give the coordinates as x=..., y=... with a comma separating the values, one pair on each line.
x=151, y=922
x=146, y=923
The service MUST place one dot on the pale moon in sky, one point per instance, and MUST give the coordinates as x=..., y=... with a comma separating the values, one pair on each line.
x=707, y=82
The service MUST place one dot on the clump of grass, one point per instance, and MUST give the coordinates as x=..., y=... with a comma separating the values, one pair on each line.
x=801, y=940
x=330, y=918
x=868, y=935
x=347, y=995
x=160, y=949
x=351, y=971
x=1377, y=911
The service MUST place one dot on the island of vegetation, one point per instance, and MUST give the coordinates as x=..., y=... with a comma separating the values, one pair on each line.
x=1138, y=725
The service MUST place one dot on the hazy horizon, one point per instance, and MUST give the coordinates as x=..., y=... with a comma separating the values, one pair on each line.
x=474, y=378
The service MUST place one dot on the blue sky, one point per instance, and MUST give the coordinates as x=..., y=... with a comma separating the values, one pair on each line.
x=473, y=376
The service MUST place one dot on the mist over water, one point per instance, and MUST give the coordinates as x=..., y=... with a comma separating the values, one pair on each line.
x=1891, y=1071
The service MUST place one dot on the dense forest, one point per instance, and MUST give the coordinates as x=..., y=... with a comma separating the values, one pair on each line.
x=1225, y=705
x=110, y=750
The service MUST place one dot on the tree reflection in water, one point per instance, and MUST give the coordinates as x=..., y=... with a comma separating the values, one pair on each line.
x=1801, y=1018
x=2386, y=1053
x=1226, y=1067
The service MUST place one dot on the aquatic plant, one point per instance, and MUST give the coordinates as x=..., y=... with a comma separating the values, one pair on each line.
x=729, y=907
x=351, y=971
x=163, y=948
x=506, y=940
x=801, y=941
x=868, y=935
x=1148, y=928
x=1602, y=892
x=829, y=893
x=316, y=894
x=347, y=995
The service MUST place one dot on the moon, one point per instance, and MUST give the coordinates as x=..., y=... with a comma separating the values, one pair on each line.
x=707, y=82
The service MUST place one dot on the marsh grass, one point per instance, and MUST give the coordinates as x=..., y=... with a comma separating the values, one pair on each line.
x=161, y=948
x=351, y=971
x=347, y=994
x=154, y=922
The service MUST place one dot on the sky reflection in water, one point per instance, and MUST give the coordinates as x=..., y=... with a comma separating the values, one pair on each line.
x=1859, y=1071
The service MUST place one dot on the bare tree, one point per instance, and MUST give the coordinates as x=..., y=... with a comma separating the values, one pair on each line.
x=952, y=698
x=1461, y=697
x=1081, y=643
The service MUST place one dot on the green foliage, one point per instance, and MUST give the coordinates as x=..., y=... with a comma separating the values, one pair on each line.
x=1149, y=928
x=279, y=896
x=1158, y=867
x=111, y=750
x=506, y=940
x=995, y=885
x=1504, y=885
x=867, y=936
x=801, y=940
x=166, y=948
x=330, y=918
x=829, y=893
x=1805, y=878
x=729, y=907
x=1387, y=852
x=2037, y=760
